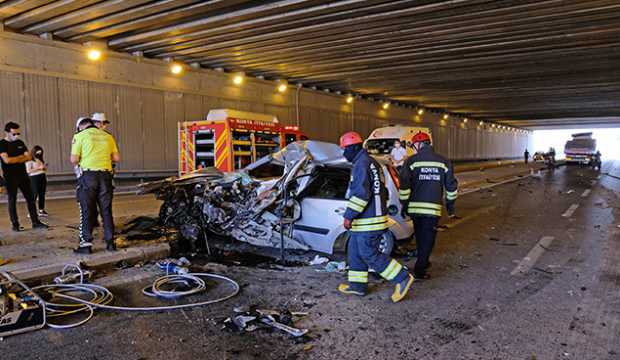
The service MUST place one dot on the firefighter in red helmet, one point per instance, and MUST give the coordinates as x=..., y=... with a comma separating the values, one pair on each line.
x=423, y=179
x=366, y=219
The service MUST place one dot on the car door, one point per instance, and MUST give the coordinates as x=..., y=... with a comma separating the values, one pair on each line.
x=322, y=206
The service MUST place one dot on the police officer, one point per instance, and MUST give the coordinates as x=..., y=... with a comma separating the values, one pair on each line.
x=366, y=219
x=423, y=178
x=94, y=150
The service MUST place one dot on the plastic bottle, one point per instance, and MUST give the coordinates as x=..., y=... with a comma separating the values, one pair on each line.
x=172, y=268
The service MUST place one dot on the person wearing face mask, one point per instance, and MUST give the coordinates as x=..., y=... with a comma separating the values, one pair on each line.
x=14, y=154
x=37, y=169
x=398, y=155
x=366, y=219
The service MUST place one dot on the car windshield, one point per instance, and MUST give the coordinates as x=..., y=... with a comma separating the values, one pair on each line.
x=581, y=143
x=267, y=171
x=380, y=146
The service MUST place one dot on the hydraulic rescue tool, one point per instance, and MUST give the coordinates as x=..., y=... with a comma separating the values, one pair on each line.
x=21, y=310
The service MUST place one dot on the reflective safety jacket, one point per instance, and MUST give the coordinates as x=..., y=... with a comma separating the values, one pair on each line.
x=423, y=178
x=367, y=195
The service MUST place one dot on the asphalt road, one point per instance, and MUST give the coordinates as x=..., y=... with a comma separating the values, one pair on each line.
x=530, y=272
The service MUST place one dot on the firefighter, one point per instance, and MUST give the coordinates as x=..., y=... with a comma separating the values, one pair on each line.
x=366, y=219
x=423, y=178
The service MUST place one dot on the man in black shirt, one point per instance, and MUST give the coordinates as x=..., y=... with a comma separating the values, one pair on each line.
x=14, y=154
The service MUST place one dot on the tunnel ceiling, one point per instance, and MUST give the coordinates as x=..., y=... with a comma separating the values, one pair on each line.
x=524, y=63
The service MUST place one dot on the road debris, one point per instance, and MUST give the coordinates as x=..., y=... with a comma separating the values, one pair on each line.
x=142, y=228
x=318, y=260
x=334, y=266
x=251, y=319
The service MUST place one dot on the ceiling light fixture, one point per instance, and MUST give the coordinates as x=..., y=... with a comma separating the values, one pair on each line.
x=176, y=69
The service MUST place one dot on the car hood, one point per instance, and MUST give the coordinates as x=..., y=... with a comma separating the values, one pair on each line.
x=319, y=152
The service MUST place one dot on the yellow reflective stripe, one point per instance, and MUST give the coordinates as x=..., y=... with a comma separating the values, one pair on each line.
x=360, y=273
x=355, y=207
x=391, y=270
x=428, y=164
x=372, y=220
x=404, y=194
x=358, y=276
x=451, y=195
x=376, y=227
x=425, y=205
x=424, y=211
x=358, y=201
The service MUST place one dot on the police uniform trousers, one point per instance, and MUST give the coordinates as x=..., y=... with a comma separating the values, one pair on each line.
x=425, y=228
x=363, y=253
x=95, y=189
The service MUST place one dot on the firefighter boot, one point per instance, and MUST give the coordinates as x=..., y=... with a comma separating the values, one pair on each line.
x=401, y=289
x=349, y=290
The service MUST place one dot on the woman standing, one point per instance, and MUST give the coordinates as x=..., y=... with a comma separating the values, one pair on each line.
x=37, y=169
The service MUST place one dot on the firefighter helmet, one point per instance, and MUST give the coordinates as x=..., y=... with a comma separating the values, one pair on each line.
x=420, y=137
x=350, y=138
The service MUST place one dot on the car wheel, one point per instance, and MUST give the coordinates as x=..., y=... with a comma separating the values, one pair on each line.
x=386, y=245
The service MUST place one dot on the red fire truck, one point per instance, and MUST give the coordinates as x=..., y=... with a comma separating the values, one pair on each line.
x=231, y=139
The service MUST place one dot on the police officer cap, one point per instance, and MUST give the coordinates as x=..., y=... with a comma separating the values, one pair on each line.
x=100, y=117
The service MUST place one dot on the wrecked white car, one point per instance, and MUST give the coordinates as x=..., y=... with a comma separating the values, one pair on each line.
x=293, y=198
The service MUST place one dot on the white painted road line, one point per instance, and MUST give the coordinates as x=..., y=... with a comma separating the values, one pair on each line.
x=569, y=212
x=469, y=191
x=586, y=193
x=530, y=259
x=469, y=216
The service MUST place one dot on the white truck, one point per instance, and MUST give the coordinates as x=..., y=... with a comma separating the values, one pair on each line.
x=581, y=149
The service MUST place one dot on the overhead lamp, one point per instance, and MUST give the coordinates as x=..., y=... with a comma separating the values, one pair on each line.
x=492, y=125
x=238, y=78
x=386, y=105
x=481, y=123
x=350, y=99
x=282, y=85
x=176, y=68
x=420, y=111
x=94, y=54
x=445, y=116
x=465, y=120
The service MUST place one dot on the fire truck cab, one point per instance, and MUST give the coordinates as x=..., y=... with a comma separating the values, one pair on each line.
x=231, y=139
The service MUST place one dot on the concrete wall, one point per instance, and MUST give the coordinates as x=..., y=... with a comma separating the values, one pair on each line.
x=46, y=85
